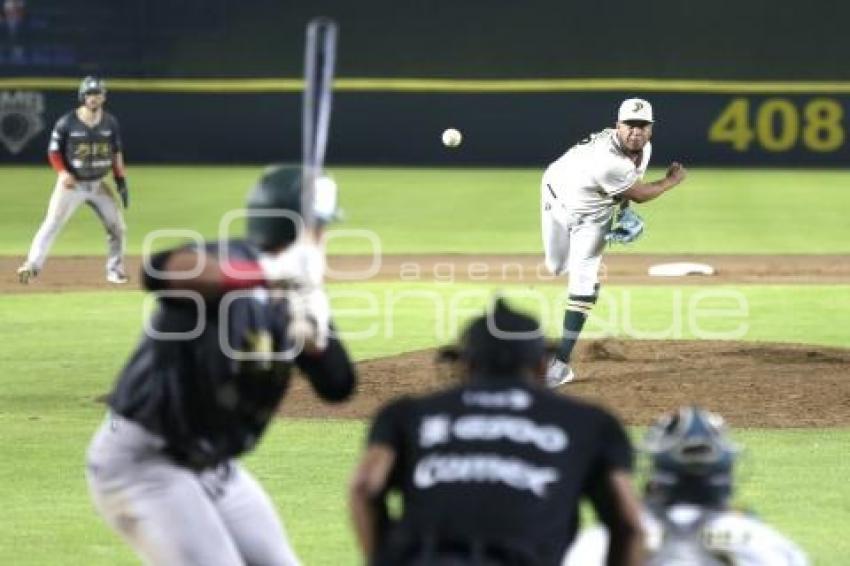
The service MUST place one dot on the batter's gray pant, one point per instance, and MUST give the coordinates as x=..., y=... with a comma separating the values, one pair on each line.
x=172, y=515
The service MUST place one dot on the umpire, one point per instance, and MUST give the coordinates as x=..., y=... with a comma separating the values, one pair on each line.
x=205, y=381
x=491, y=471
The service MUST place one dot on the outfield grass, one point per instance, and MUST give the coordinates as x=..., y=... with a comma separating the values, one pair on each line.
x=463, y=210
x=54, y=367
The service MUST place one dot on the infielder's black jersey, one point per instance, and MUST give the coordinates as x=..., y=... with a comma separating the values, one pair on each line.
x=207, y=403
x=86, y=151
x=499, y=464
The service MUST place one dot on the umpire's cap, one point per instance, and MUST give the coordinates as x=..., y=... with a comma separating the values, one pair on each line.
x=500, y=343
x=91, y=85
x=274, y=207
x=691, y=458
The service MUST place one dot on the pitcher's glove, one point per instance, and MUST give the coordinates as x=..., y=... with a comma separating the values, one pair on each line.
x=626, y=228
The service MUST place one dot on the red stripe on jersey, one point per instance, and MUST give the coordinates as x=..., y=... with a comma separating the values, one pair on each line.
x=56, y=162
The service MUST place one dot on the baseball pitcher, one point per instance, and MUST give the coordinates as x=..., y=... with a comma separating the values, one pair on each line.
x=84, y=146
x=585, y=198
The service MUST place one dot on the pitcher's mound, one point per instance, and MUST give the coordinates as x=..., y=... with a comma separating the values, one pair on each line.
x=751, y=384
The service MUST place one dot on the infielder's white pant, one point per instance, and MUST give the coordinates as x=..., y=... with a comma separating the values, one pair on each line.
x=63, y=203
x=172, y=515
x=573, y=244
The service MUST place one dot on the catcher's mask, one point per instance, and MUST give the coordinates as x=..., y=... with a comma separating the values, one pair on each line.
x=274, y=208
x=691, y=458
x=91, y=85
x=500, y=343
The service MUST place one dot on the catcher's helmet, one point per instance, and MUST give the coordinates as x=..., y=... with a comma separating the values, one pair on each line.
x=274, y=207
x=502, y=342
x=691, y=458
x=91, y=85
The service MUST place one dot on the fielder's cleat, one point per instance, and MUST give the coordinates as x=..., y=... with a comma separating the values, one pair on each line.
x=116, y=276
x=558, y=373
x=26, y=272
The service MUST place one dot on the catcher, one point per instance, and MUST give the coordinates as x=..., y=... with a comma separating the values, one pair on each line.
x=581, y=194
x=687, y=516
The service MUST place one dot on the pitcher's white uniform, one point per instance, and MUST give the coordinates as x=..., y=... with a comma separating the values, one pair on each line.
x=578, y=198
x=743, y=540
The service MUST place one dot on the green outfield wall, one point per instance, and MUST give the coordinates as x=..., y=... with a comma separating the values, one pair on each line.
x=734, y=83
x=399, y=121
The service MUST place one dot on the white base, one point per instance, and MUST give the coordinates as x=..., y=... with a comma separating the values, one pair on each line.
x=679, y=269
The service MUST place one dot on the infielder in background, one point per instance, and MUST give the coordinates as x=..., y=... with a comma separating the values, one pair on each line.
x=84, y=146
x=162, y=468
x=580, y=193
x=687, y=517
x=491, y=471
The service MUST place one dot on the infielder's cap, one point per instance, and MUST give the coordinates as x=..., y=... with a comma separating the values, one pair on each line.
x=635, y=109
x=90, y=85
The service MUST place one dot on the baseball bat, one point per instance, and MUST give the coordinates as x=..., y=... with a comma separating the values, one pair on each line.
x=319, y=61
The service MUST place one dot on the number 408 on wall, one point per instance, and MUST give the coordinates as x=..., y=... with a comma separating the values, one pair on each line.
x=780, y=125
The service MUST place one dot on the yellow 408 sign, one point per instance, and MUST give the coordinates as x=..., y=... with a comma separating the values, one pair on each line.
x=780, y=125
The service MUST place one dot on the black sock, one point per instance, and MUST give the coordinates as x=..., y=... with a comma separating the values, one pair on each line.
x=578, y=308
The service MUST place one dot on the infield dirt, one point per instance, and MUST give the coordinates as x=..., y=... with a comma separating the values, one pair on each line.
x=752, y=384
x=84, y=273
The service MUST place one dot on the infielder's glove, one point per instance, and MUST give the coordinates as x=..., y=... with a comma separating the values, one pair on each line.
x=123, y=191
x=627, y=227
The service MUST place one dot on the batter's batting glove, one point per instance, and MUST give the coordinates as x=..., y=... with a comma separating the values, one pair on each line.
x=299, y=270
x=123, y=191
x=627, y=228
x=325, y=200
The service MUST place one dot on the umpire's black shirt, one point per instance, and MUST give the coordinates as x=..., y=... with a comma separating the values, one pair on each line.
x=498, y=465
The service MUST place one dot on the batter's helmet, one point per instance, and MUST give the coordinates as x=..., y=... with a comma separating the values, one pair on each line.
x=691, y=458
x=90, y=85
x=502, y=342
x=274, y=207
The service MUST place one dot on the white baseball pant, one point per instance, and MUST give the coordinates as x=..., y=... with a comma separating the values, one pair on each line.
x=63, y=203
x=172, y=515
x=573, y=244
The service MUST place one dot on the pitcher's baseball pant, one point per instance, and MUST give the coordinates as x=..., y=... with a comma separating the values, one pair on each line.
x=172, y=515
x=574, y=246
x=63, y=203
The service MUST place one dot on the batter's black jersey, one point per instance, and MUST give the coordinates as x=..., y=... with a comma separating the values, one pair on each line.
x=497, y=465
x=211, y=393
x=86, y=151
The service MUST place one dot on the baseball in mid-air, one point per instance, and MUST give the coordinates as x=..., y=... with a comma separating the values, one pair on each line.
x=452, y=137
